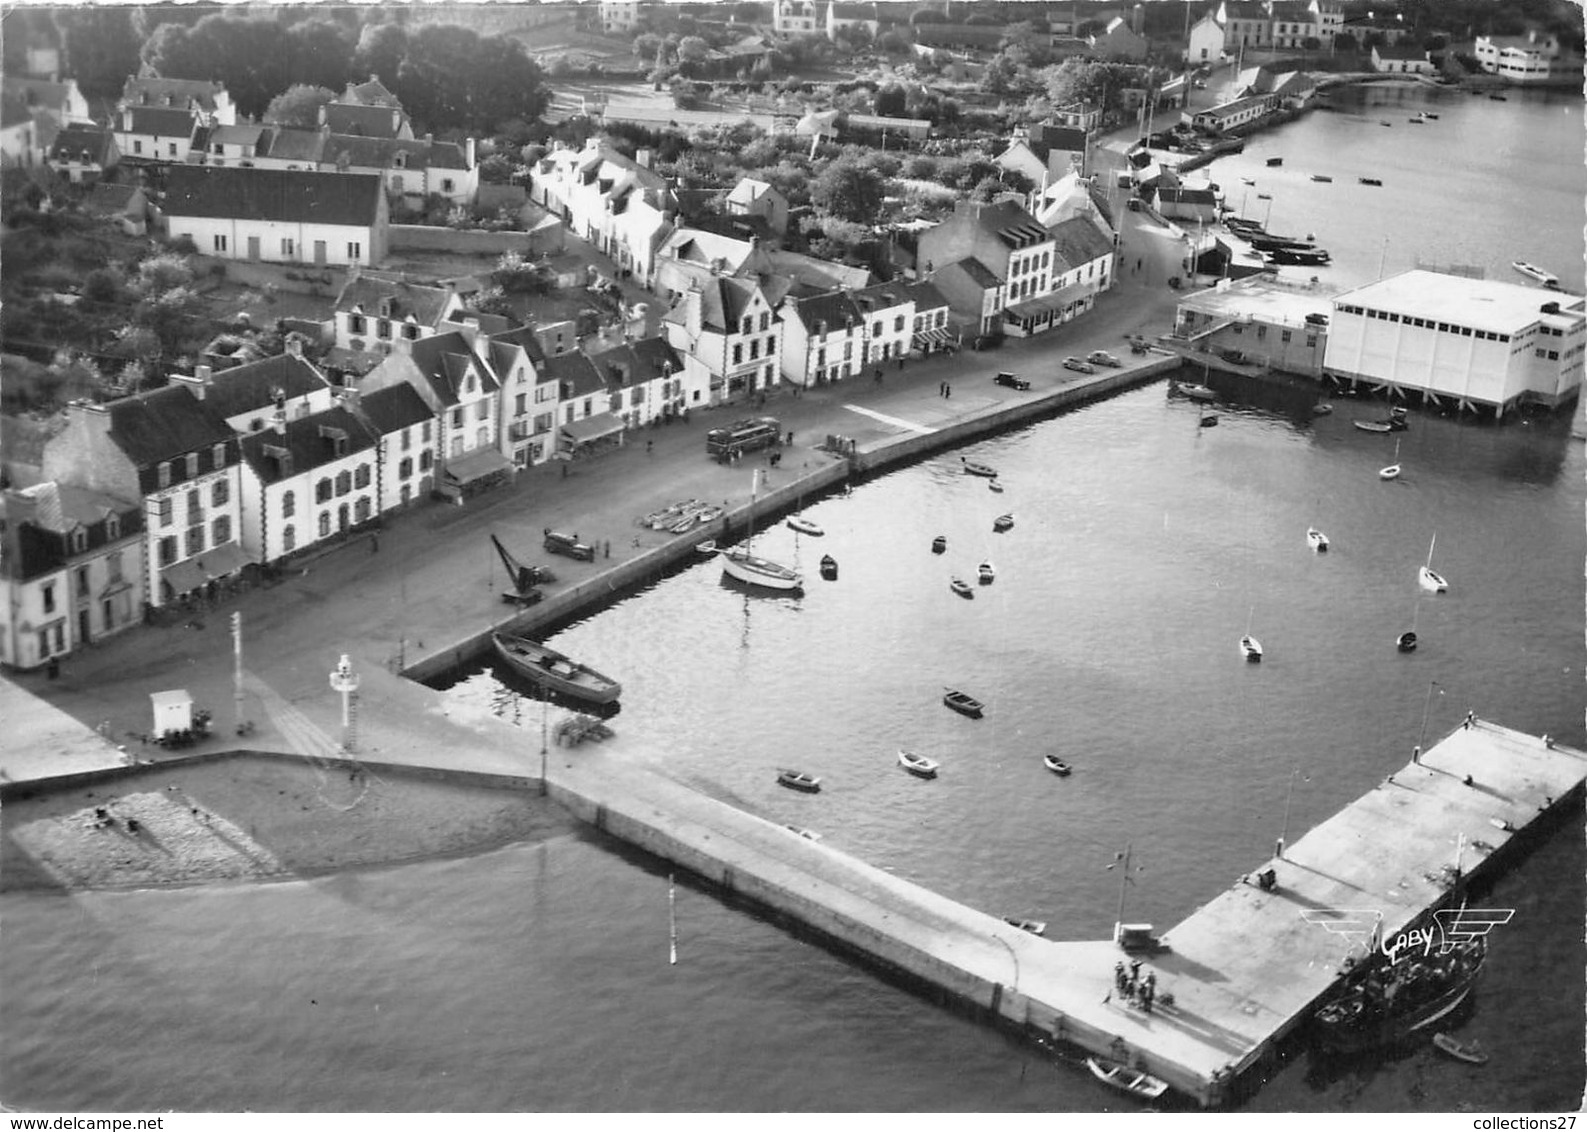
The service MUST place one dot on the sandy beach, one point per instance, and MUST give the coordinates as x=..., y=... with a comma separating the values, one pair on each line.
x=254, y=817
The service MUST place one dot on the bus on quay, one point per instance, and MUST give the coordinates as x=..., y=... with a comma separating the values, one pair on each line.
x=743, y=436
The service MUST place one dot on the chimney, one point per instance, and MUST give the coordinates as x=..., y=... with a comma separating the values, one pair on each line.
x=429, y=139
x=470, y=153
x=294, y=346
x=642, y=158
x=278, y=421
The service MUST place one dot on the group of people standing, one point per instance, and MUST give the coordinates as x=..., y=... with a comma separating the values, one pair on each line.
x=1132, y=987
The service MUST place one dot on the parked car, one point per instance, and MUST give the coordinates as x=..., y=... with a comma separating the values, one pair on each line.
x=1103, y=358
x=1079, y=366
x=1235, y=356
x=1012, y=380
x=569, y=545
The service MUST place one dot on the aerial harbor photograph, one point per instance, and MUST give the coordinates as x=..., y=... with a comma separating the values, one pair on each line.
x=793, y=556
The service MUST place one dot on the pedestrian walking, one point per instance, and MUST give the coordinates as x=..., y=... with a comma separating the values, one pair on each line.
x=1138, y=263
x=649, y=446
x=1471, y=717
x=947, y=390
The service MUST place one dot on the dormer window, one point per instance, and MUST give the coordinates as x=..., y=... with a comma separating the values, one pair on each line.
x=165, y=473
x=217, y=456
x=192, y=465
x=113, y=526
x=79, y=540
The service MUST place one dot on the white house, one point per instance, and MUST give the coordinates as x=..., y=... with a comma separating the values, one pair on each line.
x=462, y=392
x=643, y=379
x=413, y=168
x=837, y=335
x=616, y=203
x=1475, y=342
x=206, y=101
x=83, y=154
x=1207, y=37
x=278, y=215
x=757, y=198
x=175, y=453
x=306, y=480
x=153, y=134
x=374, y=311
x=71, y=570
x=794, y=17
x=1536, y=57
x=1401, y=59
x=248, y=396
x=725, y=332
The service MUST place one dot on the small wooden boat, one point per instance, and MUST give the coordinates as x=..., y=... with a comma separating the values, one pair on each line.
x=1384, y=122
x=1321, y=409
x=1469, y=1052
x=1372, y=426
x=1251, y=648
x=1195, y=391
x=1417, y=121
x=1126, y=1080
x=799, y=780
x=918, y=765
x=1316, y=539
x=1034, y=927
x=1532, y=271
x=963, y=703
x=975, y=468
x=705, y=549
x=1056, y=765
x=961, y=587
x=548, y=668
x=1207, y=420
x=1322, y=177
x=1498, y=98
x=1272, y=161
x=807, y=834
x=1406, y=641
x=1003, y=523
x=1370, y=181
x=984, y=573
x=829, y=568
x=995, y=486
x=805, y=526
x=939, y=544
x=1392, y=471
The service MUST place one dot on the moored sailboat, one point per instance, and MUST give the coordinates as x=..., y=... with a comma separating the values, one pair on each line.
x=1426, y=577
x=738, y=563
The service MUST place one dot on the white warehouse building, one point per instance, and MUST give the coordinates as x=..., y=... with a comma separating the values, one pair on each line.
x=1475, y=343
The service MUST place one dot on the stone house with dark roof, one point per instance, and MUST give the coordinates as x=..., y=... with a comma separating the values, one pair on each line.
x=838, y=334
x=279, y=215
x=725, y=330
x=373, y=311
x=643, y=379
x=201, y=98
x=156, y=134
x=71, y=571
x=987, y=258
x=83, y=154
x=307, y=480
x=406, y=429
x=247, y=396
x=412, y=168
x=462, y=391
x=585, y=422
x=176, y=454
x=366, y=121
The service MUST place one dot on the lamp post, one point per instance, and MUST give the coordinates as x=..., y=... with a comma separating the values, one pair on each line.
x=345, y=681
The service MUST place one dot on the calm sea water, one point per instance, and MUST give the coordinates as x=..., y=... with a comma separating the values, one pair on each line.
x=536, y=977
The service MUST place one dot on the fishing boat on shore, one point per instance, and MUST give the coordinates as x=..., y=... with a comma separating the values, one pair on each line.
x=1406, y=641
x=918, y=765
x=1125, y=1079
x=548, y=668
x=799, y=780
x=1056, y=765
x=1469, y=1052
x=1034, y=927
x=963, y=703
x=961, y=587
x=1385, y=1002
x=976, y=468
x=1532, y=271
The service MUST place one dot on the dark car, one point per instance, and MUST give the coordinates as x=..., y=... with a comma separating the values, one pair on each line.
x=569, y=545
x=1012, y=380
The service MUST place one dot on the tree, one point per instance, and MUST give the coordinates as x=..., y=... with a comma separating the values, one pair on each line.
x=891, y=101
x=320, y=51
x=492, y=300
x=101, y=49
x=692, y=51
x=647, y=44
x=250, y=56
x=381, y=49
x=453, y=79
x=164, y=272
x=299, y=105
x=685, y=93
x=849, y=190
x=894, y=42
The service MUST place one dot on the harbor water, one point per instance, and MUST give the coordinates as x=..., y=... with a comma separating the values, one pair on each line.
x=536, y=977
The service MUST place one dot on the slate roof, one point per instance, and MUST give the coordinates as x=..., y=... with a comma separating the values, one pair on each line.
x=156, y=91
x=1078, y=241
x=1045, y=137
x=306, y=443
x=245, y=135
x=371, y=93
x=927, y=297
x=39, y=92
x=368, y=291
x=253, y=385
x=368, y=121
x=748, y=191
x=394, y=408
x=164, y=424
x=381, y=153
x=293, y=196
x=523, y=337
x=1009, y=223
x=159, y=121
x=637, y=362
x=287, y=144
x=85, y=144
x=106, y=199
x=978, y=272
x=443, y=360
x=1187, y=196
x=14, y=111
x=574, y=374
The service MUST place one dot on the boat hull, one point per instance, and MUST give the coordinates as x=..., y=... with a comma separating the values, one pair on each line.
x=1121, y=1077
x=1430, y=580
x=794, y=780
x=762, y=572
x=917, y=765
x=964, y=705
x=550, y=669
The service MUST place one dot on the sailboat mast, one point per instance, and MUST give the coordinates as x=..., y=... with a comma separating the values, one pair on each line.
x=1430, y=550
x=672, y=920
x=1123, y=882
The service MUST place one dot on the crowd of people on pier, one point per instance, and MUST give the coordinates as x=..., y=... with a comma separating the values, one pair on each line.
x=1135, y=990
